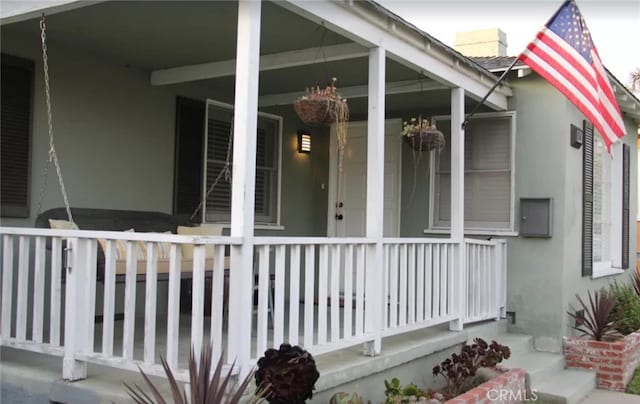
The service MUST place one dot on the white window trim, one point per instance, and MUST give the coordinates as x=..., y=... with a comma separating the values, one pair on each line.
x=258, y=225
x=479, y=230
x=613, y=265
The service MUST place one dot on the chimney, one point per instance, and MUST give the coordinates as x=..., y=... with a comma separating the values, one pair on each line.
x=484, y=42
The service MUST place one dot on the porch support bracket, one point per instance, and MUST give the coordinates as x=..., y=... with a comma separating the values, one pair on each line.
x=457, y=206
x=243, y=188
x=374, y=302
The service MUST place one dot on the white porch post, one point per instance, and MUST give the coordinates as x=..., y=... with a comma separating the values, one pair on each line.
x=457, y=205
x=243, y=187
x=374, y=301
x=77, y=313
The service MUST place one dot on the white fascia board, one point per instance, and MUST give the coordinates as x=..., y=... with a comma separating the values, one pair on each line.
x=22, y=10
x=272, y=61
x=402, y=45
x=396, y=87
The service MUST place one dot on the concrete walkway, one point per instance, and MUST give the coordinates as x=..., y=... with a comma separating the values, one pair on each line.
x=610, y=397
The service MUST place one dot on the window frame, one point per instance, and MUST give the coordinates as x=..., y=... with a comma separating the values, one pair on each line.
x=217, y=217
x=469, y=228
x=612, y=264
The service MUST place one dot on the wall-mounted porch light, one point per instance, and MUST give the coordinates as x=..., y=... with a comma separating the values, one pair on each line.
x=304, y=141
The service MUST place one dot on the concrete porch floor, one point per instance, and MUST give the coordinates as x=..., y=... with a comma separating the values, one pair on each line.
x=409, y=357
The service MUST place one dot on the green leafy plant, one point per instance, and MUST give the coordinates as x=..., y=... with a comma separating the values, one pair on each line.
x=594, y=320
x=290, y=372
x=344, y=398
x=206, y=387
x=397, y=394
x=459, y=371
x=625, y=314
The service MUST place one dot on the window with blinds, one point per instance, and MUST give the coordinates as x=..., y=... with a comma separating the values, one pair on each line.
x=15, y=139
x=218, y=137
x=488, y=153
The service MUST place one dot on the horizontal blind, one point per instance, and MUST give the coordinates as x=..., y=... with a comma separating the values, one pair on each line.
x=487, y=178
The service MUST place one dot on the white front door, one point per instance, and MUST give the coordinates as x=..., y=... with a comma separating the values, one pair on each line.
x=353, y=192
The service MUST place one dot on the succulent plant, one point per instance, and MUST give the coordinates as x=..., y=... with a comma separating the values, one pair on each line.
x=344, y=398
x=289, y=373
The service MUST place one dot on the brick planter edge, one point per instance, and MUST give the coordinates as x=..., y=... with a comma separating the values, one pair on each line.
x=508, y=388
x=613, y=362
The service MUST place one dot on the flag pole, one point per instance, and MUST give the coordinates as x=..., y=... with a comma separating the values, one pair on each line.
x=475, y=109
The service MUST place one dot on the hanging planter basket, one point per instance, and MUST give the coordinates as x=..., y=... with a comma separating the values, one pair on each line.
x=425, y=140
x=316, y=111
x=322, y=106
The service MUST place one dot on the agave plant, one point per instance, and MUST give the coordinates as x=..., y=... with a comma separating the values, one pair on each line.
x=596, y=320
x=206, y=388
x=290, y=373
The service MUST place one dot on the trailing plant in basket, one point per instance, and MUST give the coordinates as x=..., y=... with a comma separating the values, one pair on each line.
x=290, y=374
x=321, y=107
x=461, y=370
x=421, y=135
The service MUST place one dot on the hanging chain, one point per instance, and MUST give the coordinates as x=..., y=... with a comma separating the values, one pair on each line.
x=226, y=172
x=53, y=156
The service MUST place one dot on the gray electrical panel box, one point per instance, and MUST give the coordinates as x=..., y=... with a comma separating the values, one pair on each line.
x=535, y=217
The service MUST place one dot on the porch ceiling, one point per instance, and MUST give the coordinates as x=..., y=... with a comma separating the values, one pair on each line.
x=158, y=35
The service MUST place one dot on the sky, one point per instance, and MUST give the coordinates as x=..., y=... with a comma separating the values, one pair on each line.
x=614, y=24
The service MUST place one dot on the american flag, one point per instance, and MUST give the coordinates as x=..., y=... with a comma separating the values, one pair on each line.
x=564, y=54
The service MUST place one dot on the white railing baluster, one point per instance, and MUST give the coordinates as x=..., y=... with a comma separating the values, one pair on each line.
x=411, y=286
x=437, y=264
x=23, y=289
x=294, y=294
x=91, y=268
x=323, y=272
x=393, y=285
x=108, y=317
x=360, y=261
x=309, y=291
x=151, y=288
x=336, y=270
x=56, y=291
x=7, y=285
x=38, y=290
x=403, y=285
x=444, y=256
x=428, y=282
x=173, y=305
x=129, y=301
x=263, y=296
x=420, y=282
x=217, y=301
x=278, y=316
x=197, y=299
x=347, y=326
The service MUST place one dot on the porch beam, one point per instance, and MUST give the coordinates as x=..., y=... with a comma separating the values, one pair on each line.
x=16, y=11
x=374, y=302
x=243, y=187
x=397, y=87
x=299, y=57
x=361, y=23
x=457, y=205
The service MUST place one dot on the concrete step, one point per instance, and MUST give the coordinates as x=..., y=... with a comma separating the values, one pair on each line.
x=538, y=364
x=568, y=386
x=518, y=343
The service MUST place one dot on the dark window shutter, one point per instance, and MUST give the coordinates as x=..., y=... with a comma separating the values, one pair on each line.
x=587, y=199
x=188, y=155
x=15, y=138
x=626, y=155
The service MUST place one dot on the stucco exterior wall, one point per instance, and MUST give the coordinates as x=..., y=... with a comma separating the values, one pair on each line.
x=114, y=135
x=545, y=274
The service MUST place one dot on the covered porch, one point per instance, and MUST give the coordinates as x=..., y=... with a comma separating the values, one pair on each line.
x=318, y=284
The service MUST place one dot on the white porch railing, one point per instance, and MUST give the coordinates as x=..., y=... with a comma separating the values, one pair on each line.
x=485, y=277
x=61, y=292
